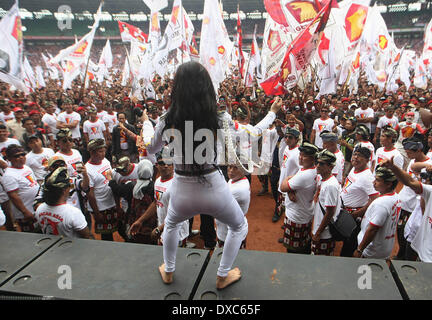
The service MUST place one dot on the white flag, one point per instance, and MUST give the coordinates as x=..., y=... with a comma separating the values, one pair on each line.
x=215, y=45
x=29, y=75
x=11, y=49
x=254, y=63
x=40, y=77
x=156, y=5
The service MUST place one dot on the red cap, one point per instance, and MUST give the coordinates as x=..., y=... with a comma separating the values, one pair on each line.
x=410, y=114
x=18, y=102
x=80, y=109
x=126, y=99
x=17, y=109
x=386, y=101
x=235, y=103
x=414, y=101
x=429, y=102
x=139, y=105
x=345, y=99
x=317, y=101
x=33, y=112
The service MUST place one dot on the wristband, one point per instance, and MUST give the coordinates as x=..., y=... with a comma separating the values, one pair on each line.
x=359, y=250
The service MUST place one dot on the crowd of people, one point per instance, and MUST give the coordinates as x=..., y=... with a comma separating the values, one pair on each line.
x=73, y=158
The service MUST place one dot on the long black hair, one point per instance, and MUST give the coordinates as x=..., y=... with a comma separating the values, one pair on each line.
x=193, y=98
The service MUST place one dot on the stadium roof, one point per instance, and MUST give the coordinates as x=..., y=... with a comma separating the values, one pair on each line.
x=129, y=6
x=133, y=6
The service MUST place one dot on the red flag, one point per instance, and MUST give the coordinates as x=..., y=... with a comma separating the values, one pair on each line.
x=129, y=32
x=240, y=44
x=298, y=54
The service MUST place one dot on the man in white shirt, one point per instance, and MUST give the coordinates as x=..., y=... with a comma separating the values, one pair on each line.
x=327, y=204
x=21, y=186
x=321, y=124
x=377, y=235
x=94, y=128
x=104, y=207
x=49, y=120
x=71, y=156
x=300, y=190
x=289, y=166
x=357, y=194
x=330, y=142
x=37, y=158
x=387, y=120
x=70, y=119
x=364, y=114
x=5, y=141
x=388, y=138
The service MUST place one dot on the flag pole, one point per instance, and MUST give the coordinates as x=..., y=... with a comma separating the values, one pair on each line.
x=250, y=53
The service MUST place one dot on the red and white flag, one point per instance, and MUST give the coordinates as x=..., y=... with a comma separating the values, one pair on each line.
x=129, y=33
x=11, y=49
x=298, y=55
x=427, y=49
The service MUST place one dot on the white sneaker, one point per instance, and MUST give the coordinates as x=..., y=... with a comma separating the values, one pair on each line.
x=194, y=233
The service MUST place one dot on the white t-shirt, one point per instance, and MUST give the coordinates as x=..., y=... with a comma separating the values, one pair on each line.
x=290, y=164
x=414, y=222
x=6, y=117
x=111, y=119
x=25, y=182
x=132, y=176
x=338, y=169
x=304, y=184
x=384, y=213
x=382, y=154
x=95, y=130
x=241, y=191
x=69, y=118
x=319, y=126
x=98, y=180
x=329, y=196
x=101, y=115
x=422, y=242
x=2, y=218
x=358, y=187
x=407, y=196
x=50, y=120
x=64, y=220
x=39, y=162
x=71, y=161
x=384, y=121
x=162, y=197
x=364, y=114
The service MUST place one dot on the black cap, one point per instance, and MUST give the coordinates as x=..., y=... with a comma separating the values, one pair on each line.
x=308, y=148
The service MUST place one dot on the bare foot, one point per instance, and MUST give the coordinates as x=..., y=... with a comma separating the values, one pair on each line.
x=234, y=275
x=167, y=277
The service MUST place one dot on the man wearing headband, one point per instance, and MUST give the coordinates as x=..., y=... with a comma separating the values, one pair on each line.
x=290, y=164
x=94, y=128
x=327, y=204
x=102, y=204
x=54, y=215
x=376, y=238
x=21, y=186
x=330, y=141
x=300, y=190
x=414, y=151
x=388, y=138
x=358, y=193
x=362, y=136
x=71, y=156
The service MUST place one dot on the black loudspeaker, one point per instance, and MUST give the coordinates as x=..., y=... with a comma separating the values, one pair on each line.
x=279, y=276
x=19, y=249
x=415, y=279
x=103, y=270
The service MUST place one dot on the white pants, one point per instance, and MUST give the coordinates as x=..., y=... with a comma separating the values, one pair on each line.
x=188, y=197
